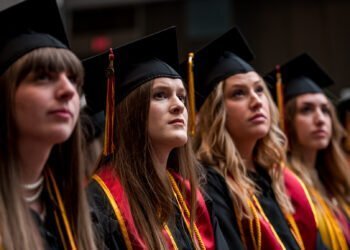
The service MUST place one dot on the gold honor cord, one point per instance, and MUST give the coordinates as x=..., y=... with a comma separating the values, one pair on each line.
x=120, y=218
x=56, y=196
x=280, y=97
x=255, y=228
x=116, y=210
x=185, y=211
x=108, y=146
x=166, y=228
x=335, y=233
x=262, y=213
x=192, y=101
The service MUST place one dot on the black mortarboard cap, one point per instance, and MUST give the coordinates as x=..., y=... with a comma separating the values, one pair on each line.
x=300, y=75
x=135, y=63
x=27, y=26
x=226, y=56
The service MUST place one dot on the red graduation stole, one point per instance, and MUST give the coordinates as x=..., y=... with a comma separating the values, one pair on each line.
x=262, y=235
x=304, y=215
x=115, y=193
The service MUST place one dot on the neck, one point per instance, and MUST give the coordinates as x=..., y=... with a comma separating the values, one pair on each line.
x=33, y=156
x=160, y=159
x=309, y=158
x=245, y=149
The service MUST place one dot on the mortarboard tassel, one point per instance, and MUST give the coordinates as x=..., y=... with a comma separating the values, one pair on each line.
x=280, y=97
x=192, y=113
x=108, y=146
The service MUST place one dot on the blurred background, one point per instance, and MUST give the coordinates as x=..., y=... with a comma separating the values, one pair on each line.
x=277, y=30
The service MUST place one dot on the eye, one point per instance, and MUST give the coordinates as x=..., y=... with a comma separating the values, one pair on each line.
x=43, y=76
x=259, y=89
x=73, y=78
x=325, y=110
x=160, y=95
x=237, y=93
x=306, y=109
x=182, y=98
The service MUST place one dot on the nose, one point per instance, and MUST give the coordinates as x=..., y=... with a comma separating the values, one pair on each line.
x=319, y=117
x=256, y=102
x=177, y=105
x=65, y=88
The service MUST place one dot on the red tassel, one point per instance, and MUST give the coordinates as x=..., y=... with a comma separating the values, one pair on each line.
x=108, y=146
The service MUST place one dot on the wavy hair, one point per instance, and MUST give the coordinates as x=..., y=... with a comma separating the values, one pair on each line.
x=215, y=147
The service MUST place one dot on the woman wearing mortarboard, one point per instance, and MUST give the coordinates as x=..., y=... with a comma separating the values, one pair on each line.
x=239, y=141
x=42, y=198
x=146, y=186
x=314, y=146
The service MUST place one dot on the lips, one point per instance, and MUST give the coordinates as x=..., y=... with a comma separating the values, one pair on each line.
x=257, y=118
x=61, y=112
x=320, y=133
x=177, y=122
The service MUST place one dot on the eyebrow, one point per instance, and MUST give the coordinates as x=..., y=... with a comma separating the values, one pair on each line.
x=314, y=104
x=166, y=86
x=245, y=85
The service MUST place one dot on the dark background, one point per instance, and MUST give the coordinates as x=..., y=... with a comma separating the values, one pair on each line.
x=276, y=30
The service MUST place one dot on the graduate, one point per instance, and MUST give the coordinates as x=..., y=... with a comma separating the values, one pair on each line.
x=146, y=187
x=238, y=140
x=42, y=200
x=315, y=154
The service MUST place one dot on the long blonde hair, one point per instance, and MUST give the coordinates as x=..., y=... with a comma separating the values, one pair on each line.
x=150, y=198
x=331, y=163
x=17, y=228
x=214, y=147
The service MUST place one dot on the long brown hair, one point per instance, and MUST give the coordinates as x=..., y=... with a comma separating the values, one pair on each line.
x=149, y=197
x=17, y=228
x=331, y=163
x=214, y=147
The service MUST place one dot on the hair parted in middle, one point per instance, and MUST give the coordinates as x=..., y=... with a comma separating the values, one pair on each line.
x=149, y=196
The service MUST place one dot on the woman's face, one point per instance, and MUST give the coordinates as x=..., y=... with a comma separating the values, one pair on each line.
x=46, y=107
x=312, y=122
x=167, y=119
x=247, y=107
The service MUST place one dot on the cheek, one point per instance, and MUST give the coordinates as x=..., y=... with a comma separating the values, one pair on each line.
x=302, y=126
x=329, y=123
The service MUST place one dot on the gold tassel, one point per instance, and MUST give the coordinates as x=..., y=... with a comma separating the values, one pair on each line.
x=280, y=97
x=192, y=102
x=108, y=146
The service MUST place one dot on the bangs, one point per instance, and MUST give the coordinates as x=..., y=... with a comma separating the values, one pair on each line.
x=50, y=60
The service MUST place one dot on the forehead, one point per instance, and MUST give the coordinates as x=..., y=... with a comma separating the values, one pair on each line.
x=312, y=98
x=243, y=79
x=168, y=82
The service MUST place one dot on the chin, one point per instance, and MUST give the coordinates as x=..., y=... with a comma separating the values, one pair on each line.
x=61, y=136
x=321, y=145
x=178, y=140
x=261, y=133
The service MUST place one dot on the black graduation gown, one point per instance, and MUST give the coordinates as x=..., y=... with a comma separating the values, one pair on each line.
x=271, y=208
x=217, y=189
x=48, y=228
x=108, y=227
